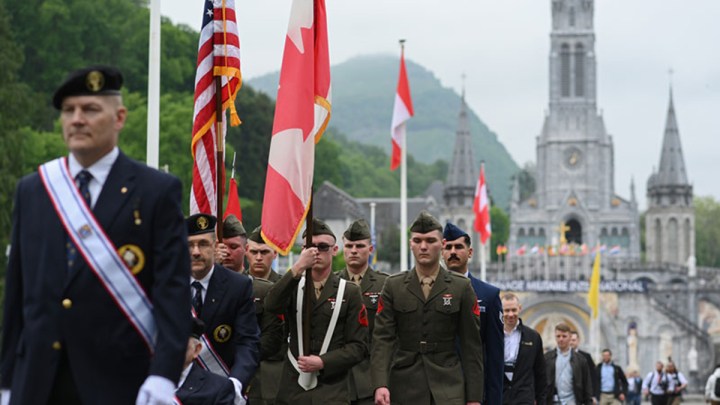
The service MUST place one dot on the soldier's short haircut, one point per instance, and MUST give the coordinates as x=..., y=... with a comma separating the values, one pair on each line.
x=510, y=297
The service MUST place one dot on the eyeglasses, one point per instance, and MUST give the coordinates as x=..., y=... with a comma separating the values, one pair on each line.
x=321, y=247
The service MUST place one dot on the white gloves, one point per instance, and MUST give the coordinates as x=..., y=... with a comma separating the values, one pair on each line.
x=156, y=390
x=4, y=397
x=239, y=399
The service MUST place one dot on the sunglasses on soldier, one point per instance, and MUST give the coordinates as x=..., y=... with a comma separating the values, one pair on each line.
x=321, y=247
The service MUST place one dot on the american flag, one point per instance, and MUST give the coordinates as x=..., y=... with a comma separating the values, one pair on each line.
x=218, y=55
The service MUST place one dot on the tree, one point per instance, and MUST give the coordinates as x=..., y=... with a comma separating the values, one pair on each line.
x=500, y=223
x=707, y=231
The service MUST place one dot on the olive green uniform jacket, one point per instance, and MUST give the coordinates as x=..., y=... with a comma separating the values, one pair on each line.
x=265, y=384
x=359, y=381
x=348, y=346
x=414, y=341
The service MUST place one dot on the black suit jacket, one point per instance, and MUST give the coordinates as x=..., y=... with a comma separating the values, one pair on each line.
x=491, y=330
x=230, y=322
x=137, y=206
x=529, y=381
x=201, y=387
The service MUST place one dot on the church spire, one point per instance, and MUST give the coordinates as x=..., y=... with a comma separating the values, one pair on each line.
x=672, y=164
x=462, y=173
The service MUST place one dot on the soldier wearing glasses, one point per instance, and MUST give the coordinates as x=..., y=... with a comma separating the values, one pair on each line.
x=339, y=334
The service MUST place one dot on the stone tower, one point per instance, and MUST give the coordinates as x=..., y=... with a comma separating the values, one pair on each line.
x=574, y=200
x=459, y=192
x=670, y=218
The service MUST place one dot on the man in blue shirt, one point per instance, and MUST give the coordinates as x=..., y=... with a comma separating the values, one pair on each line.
x=611, y=385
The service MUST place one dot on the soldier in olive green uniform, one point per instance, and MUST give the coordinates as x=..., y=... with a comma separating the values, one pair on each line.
x=357, y=249
x=421, y=315
x=319, y=375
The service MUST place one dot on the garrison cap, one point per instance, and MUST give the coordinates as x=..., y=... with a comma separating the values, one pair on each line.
x=256, y=236
x=425, y=223
x=199, y=224
x=320, y=228
x=452, y=232
x=232, y=227
x=90, y=81
x=198, y=328
x=358, y=230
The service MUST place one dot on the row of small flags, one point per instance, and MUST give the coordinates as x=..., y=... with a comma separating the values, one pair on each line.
x=567, y=249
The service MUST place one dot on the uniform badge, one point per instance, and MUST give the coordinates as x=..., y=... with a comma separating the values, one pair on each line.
x=222, y=333
x=482, y=307
x=94, y=81
x=84, y=231
x=373, y=297
x=332, y=303
x=202, y=223
x=363, y=317
x=447, y=300
x=133, y=257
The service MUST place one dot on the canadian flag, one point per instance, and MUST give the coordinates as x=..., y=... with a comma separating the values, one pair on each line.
x=481, y=208
x=402, y=111
x=302, y=111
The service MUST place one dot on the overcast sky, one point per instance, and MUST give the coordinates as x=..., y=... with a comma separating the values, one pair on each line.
x=502, y=47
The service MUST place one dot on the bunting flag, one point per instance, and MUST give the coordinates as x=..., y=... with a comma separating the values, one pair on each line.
x=402, y=111
x=593, y=297
x=481, y=208
x=218, y=55
x=302, y=111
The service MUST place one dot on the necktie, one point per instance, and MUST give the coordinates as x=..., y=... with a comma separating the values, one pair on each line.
x=357, y=278
x=318, y=289
x=427, y=283
x=83, y=182
x=197, y=301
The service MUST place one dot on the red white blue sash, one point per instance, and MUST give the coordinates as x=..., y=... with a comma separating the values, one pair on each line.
x=208, y=357
x=98, y=250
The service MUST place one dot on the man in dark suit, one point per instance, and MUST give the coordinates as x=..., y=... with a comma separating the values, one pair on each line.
x=575, y=345
x=198, y=386
x=66, y=339
x=457, y=251
x=223, y=300
x=525, y=379
x=318, y=375
x=421, y=315
x=357, y=246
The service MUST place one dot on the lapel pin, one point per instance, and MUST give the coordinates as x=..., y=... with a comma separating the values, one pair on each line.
x=123, y=190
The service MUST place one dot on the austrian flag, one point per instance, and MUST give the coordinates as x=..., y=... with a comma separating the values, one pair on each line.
x=402, y=111
x=302, y=111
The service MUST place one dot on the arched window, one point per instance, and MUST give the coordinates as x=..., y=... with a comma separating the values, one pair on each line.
x=686, y=239
x=673, y=241
x=658, y=241
x=579, y=70
x=531, y=233
x=565, y=70
x=521, y=233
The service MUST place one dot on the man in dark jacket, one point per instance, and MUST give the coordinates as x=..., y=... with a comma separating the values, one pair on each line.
x=525, y=381
x=611, y=384
x=567, y=372
x=575, y=344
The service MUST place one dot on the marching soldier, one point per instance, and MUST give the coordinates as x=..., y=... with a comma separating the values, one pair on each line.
x=265, y=385
x=338, y=338
x=223, y=300
x=420, y=315
x=357, y=248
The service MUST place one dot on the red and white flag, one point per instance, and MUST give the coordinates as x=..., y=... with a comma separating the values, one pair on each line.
x=218, y=55
x=402, y=111
x=481, y=208
x=302, y=111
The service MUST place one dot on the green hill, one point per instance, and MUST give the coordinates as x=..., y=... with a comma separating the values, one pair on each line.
x=362, y=97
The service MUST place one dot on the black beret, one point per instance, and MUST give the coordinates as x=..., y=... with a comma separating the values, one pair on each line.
x=199, y=224
x=319, y=228
x=233, y=227
x=89, y=81
x=198, y=328
x=358, y=230
x=452, y=232
x=256, y=236
x=425, y=223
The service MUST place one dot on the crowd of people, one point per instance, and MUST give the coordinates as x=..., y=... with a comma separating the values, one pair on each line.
x=113, y=297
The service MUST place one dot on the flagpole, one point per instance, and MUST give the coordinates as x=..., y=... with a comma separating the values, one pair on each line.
x=153, y=114
x=483, y=258
x=403, y=193
x=307, y=301
x=219, y=159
